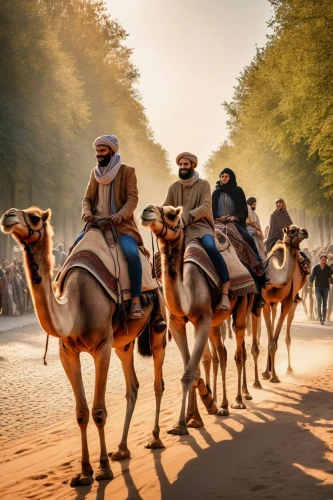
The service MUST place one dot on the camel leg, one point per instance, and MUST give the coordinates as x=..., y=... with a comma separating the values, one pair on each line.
x=125, y=354
x=72, y=366
x=267, y=318
x=201, y=326
x=273, y=345
x=274, y=312
x=215, y=339
x=290, y=319
x=206, y=363
x=158, y=349
x=215, y=361
x=240, y=325
x=311, y=304
x=229, y=323
x=255, y=349
x=102, y=361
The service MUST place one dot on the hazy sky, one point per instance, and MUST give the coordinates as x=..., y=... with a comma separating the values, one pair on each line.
x=189, y=54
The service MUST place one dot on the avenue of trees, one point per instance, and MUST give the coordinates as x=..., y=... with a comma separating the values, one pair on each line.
x=281, y=116
x=66, y=77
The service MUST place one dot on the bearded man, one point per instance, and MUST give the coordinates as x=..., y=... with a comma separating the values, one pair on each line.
x=112, y=193
x=194, y=196
x=253, y=226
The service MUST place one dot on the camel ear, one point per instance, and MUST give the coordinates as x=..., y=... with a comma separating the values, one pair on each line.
x=46, y=215
x=179, y=210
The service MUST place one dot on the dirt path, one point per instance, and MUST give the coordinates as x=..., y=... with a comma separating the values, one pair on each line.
x=280, y=447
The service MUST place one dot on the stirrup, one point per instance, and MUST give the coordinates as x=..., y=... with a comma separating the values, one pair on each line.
x=135, y=312
x=224, y=305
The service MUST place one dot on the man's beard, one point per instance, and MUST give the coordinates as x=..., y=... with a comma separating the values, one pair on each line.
x=103, y=161
x=187, y=175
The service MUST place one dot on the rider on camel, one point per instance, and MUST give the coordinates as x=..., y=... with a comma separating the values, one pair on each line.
x=194, y=196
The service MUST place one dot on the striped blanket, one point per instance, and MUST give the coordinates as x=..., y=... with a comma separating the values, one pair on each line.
x=241, y=281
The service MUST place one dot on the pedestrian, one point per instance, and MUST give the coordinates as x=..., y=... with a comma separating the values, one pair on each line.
x=322, y=277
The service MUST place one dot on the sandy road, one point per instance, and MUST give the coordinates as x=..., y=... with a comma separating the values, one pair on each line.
x=280, y=447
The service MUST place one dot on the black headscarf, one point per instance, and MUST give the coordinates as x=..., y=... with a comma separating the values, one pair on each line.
x=235, y=192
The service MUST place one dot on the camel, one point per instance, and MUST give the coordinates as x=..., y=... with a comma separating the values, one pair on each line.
x=285, y=281
x=188, y=297
x=83, y=317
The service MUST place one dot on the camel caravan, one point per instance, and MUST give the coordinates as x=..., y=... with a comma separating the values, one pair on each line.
x=108, y=294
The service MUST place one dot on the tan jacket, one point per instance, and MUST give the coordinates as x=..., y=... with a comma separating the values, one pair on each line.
x=126, y=195
x=197, y=208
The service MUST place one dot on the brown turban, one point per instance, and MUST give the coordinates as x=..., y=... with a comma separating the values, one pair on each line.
x=188, y=156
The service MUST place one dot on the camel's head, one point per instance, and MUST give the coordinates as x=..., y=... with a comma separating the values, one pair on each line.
x=165, y=222
x=25, y=225
x=293, y=235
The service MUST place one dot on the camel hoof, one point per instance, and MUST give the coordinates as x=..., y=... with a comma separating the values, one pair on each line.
x=195, y=423
x=154, y=444
x=247, y=396
x=120, y=454
x=275, y=380
x=223, y=412
x=290, y=371
x=81, y=480
x=104, y=474
x=257, y=385
x=238, y=406
x=212, y=409
x=265, y=375
x=179, y=430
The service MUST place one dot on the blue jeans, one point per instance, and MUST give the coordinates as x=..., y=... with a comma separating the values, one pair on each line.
x=215, y=256
x=129, y=246
x=321, y=296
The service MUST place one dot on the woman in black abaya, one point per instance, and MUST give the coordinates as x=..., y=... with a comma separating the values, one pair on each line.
x=229, y=205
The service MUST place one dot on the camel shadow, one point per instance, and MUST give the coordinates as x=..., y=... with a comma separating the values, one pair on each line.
x=258, y=463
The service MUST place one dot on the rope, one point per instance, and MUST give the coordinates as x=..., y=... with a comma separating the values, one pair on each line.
x=46, y=347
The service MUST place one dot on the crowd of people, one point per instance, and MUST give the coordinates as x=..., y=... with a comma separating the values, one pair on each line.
x=15, y=298
x=14, y=294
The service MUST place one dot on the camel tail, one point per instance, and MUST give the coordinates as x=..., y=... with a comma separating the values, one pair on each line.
x=144, y=347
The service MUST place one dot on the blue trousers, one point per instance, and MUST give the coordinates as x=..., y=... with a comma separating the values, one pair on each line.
x=215, y=256
x=129, y=246
x=321, y=296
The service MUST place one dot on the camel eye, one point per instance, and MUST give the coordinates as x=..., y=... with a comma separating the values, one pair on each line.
x=172, y=216
x=34, y=218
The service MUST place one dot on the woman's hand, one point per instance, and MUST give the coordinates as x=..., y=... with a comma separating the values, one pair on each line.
x=230, y=218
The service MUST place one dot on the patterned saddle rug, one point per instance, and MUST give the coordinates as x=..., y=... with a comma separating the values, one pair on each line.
x=241, y=282
x=107, y=264
x=243, y=250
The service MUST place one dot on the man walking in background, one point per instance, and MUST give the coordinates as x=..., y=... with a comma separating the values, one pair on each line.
x=322, y=276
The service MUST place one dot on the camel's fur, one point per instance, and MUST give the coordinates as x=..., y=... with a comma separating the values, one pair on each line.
x=285, y=281
x=82, y=320
x=188, y=297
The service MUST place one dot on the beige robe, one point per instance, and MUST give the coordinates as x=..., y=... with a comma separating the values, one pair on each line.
x=196, y=202
x=126, y=198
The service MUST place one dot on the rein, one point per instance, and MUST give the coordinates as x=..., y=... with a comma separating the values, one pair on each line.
x=35, y=276
x=166, y=226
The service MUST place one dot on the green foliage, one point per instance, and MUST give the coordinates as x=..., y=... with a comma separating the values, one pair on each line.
x=281, y=115
x=66, y=77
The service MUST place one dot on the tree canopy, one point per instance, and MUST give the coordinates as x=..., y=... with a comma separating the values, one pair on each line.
x=281, y=115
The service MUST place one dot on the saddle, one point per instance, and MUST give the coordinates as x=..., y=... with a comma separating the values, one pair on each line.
x=107, y=264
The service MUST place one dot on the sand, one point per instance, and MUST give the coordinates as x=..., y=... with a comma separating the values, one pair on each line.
x=279, y=447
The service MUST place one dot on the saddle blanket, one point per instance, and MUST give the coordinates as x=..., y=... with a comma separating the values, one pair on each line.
x=241, y=282
x=107, y=264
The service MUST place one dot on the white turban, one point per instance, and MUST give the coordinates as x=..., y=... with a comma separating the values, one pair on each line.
x=107, y=140
x=188, y=156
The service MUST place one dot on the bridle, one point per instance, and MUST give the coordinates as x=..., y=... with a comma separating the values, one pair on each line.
x=167, y=226
x=35, y=276
x=31, y=230
x=290, y=242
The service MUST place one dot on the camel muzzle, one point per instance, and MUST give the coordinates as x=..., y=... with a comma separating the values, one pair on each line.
x=147, y=216
x=8, y=220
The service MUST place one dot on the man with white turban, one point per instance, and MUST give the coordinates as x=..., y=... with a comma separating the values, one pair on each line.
x=194, y=196
x=112, y=193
